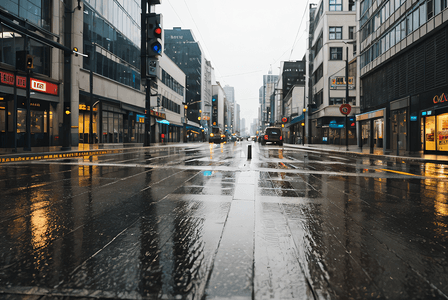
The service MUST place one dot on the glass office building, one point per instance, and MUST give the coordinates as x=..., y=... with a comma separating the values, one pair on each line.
x=111, y=38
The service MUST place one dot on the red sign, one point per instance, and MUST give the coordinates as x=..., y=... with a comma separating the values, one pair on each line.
x=345, y=109
x=284, y=119
x=36, y=85
x=7, y=78
x=21, y=82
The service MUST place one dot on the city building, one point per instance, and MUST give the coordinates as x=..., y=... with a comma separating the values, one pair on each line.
x=183, y=49
x=292, y=73
x=218, y=106
x=266, y=101
x=170, y=103
x=403, y=63
x=108, y=102
x=230, y=114
x=332, y=48
x=33, y=88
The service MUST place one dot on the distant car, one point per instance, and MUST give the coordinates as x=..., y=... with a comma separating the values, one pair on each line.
x=216, y=136
x=272, y=135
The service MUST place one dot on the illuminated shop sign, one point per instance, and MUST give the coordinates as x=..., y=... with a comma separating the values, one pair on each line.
x=140, y=118
x=157, y=114
x=36, y=85
x=439, y=99
x=86, y=107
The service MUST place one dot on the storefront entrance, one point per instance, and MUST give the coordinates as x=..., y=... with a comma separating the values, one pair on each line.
x=435, y=132
x=373, y=134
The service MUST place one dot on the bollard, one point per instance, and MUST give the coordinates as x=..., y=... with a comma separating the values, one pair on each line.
x=249, y=152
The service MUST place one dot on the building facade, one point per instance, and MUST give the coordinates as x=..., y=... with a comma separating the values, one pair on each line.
x=266, y=99
x=183, y=49
x=333, y=46
x=403, y=63
x=110, y=100
x=32, y=95
x=169, y=103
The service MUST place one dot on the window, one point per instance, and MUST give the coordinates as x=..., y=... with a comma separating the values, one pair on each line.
x=335, y=33
x=351, y=33
x=416, y=19
x=335, y=53
x=351, y=5
x=422, y=14
x=409, y=24
x=365, y=5
x=430, y=9
x=336, y=101
x=335, y=5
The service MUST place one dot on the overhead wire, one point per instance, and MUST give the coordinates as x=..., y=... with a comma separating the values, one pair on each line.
x=298, y=31
x=197, y=28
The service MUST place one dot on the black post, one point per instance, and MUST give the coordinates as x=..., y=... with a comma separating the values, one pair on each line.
x=14, y=114
x=28, y=111
x=303, y=133
x=346, y=99
x=67, y=119
x=91, y=140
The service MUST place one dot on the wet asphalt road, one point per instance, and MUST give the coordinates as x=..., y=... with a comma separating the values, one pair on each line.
x=204, y=222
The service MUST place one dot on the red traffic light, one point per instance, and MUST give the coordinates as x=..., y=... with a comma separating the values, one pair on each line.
x=158, y=31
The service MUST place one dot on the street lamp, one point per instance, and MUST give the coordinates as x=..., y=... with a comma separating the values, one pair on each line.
x=303, y=133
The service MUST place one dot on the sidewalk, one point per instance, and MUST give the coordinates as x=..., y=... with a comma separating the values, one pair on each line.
x=354, y=150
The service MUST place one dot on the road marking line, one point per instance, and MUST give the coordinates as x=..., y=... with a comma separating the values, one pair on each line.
x=398, y=172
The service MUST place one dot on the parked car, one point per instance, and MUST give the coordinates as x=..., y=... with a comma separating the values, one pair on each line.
x=272, y=135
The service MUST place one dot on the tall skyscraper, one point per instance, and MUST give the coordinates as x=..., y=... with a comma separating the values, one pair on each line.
x=183, y=49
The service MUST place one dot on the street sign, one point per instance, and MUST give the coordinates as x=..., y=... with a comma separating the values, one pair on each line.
x=345, y=109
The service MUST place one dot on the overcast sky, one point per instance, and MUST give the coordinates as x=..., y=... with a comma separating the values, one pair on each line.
x=243, y=39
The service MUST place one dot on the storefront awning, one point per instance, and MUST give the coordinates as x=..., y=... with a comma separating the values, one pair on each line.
x=190, y=127
x=296, y=120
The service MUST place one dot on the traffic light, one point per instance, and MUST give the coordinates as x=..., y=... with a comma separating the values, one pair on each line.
x=352, y=122
x=154, y=41
x=29, y=61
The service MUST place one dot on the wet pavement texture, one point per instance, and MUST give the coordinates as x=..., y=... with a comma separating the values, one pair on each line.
x=204, y=222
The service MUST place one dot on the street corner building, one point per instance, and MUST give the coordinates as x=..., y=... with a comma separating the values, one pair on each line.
x=403, y=63
x=70, y=76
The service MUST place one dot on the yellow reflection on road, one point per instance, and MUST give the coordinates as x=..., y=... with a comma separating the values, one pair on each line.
x=397, y=172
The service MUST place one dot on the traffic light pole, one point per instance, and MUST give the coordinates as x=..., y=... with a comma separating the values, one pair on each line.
x=346, y=100
x=145, y=4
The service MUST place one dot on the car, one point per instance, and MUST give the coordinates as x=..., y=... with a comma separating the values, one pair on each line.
x=216, y=136
x=272, y=135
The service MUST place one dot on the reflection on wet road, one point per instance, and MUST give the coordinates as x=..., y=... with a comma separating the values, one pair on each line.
x=204, y=222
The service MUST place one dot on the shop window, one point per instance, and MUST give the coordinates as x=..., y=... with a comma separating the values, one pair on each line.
x=378, y=133
x=2, y=117
x=430, y=128
x=442, y=132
